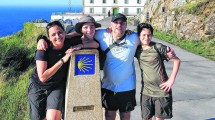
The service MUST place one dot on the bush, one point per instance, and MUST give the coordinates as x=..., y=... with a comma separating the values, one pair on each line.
x=15, y=61
x=17, y=51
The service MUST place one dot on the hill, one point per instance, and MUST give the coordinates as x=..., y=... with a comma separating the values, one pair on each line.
x=16, y=64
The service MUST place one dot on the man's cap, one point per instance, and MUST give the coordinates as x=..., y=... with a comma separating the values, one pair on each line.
x=83, y=20
x=119, y=16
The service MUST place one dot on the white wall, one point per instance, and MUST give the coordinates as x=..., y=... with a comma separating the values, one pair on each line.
x=109, y=5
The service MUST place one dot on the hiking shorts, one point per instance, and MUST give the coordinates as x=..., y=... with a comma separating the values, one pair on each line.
x=160, y=107
x=41, y=100
x=122, y=101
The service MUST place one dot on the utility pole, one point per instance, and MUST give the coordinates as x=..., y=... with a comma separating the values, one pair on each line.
x=69, y=7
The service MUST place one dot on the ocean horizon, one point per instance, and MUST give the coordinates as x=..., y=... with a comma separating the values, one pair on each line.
x=12, y=19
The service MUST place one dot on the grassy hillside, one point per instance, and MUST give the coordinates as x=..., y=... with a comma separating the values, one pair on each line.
x=16, y=64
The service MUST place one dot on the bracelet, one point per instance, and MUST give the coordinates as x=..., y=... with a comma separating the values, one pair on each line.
x=62, y=60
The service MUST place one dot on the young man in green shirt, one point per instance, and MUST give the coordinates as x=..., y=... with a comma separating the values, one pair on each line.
x=156, y=97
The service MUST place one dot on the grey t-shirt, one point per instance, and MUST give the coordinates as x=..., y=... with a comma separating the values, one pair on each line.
x=153, y=73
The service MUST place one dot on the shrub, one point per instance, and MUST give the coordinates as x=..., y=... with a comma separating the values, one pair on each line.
x=17, y=51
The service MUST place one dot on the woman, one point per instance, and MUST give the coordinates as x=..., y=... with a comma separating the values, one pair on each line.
x=47, y=84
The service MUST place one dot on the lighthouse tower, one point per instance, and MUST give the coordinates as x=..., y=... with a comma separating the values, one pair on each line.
x=69, y=7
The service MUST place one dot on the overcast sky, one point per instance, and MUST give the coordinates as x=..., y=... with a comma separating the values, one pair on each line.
x=39, y=2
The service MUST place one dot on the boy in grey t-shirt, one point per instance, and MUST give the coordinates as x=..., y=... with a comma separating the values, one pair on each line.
x=156, y=98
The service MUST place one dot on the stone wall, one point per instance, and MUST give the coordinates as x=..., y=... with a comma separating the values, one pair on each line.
x=162, y=15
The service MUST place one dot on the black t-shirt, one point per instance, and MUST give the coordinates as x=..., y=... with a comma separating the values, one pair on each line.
x=52, y=56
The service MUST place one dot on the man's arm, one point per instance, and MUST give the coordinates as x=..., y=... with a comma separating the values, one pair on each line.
x=42, y=42
x=72, y=34
x=170, y=53
x=89, y=44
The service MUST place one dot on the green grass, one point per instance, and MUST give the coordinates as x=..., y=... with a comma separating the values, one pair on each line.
x=14, y=98
x=205, y=48
x=13, y=81
x=202, y=8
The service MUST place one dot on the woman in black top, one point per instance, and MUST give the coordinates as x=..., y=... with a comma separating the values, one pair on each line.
x=47, y=84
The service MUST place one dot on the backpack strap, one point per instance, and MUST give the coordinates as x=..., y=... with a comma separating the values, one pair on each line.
x=156, y=48
x=162, y=58
x=115, y=43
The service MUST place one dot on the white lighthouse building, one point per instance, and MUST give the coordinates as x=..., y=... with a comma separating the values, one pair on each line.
x=100, y=9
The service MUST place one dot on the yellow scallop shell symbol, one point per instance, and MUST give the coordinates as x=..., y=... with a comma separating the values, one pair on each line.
x=84, y=64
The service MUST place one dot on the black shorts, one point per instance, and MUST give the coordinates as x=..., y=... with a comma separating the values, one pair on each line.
x=160, y=107
x=122, y=101
x=42, y=99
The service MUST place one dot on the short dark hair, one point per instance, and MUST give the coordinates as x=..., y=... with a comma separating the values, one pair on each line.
x=141, y=26
x=53, y=23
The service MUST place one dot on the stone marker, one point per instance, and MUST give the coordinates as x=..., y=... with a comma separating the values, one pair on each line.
x=83, y=92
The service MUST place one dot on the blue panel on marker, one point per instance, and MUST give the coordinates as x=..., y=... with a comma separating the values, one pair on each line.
x=85, y=64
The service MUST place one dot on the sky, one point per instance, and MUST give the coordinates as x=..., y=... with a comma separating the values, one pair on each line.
x=39, y=2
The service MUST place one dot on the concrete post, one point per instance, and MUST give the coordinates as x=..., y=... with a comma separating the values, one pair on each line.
x=83, y=92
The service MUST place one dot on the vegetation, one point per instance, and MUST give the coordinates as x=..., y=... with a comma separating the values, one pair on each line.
x=16, y=64
x=205, y=48
x=13, y=98
x=201, y=8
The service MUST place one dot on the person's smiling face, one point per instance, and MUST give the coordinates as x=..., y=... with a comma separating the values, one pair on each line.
x=145, y=36
x=56, y=36
x=88, y=30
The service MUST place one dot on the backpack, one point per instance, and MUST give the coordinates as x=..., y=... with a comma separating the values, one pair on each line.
x=162, y=57
x=160, y=46
x=102, y=58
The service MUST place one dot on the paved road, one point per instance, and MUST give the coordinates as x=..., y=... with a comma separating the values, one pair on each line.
x=194, y=89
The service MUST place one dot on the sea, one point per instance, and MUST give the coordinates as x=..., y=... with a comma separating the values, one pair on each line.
x=12, y=19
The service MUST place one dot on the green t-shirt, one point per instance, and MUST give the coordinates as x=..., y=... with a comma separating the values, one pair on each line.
x=152, y=71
